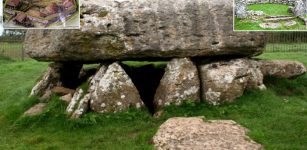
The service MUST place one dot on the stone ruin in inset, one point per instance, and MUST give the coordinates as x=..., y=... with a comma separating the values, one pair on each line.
x=297, y=7
x=206, y=60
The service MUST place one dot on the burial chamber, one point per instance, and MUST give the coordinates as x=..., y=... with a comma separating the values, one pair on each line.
x=206, y=60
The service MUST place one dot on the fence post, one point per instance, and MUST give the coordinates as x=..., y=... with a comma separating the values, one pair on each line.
x=22, y=54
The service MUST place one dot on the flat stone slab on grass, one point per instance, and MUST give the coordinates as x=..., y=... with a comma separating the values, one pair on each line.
x=278, y=18
x=290, y=23
x=36, y=109
x=197, y=134
x=271, y=25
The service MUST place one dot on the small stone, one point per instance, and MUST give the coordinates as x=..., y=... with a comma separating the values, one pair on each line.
x=62, y=90
x=66, y=98
x=158, y=114
x=47, y=95
x=36, y=109
x=290, y=23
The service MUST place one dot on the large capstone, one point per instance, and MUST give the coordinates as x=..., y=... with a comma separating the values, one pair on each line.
x=180, y=82
x=116, y=30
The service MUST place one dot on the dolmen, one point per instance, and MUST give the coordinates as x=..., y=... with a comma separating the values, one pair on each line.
x=205, y=59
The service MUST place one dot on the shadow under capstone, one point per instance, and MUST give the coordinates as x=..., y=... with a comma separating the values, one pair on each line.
x=146, y=79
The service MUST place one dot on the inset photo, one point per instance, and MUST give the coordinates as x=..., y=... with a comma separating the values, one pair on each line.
x=41, y=14
x=1, y=18
x=271, y=15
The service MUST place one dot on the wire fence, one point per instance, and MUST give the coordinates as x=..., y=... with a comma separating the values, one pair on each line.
x=277, y=42
x=286, y=42
x=11, y=45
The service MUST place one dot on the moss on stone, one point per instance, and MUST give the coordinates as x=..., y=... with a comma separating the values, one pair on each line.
x=84, y=86
x=103, y=13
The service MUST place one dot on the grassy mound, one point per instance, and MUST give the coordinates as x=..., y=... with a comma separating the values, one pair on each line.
x=277, y=117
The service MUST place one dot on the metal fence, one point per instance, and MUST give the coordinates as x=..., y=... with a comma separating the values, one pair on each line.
x=282, y=42
x=286, y=42
x=12, y=49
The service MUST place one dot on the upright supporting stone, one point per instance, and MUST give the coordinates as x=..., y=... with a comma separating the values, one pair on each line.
x=58, y=75
x=224, y=81
x=50, y=79
x=179, y=83
x=80, y=101
x=115, y=92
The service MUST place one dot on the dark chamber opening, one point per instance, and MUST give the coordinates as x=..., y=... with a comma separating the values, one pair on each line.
x=73, y=75
x=146, y=78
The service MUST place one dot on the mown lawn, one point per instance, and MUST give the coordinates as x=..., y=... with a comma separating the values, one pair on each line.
x=277, y=118
x=270, y=10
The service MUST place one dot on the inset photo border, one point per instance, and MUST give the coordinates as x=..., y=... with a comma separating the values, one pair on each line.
x=1, y=17
x=270, y=15
x=41, y=14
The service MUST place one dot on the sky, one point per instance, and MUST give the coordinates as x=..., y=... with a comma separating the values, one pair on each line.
x=1, y=16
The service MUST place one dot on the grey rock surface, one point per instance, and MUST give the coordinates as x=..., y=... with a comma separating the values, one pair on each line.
x=80, y=102
x=50, y=79
x=195, y=133
x=36, y=109
x=115, y=92
x=117, y=29
x=59, y=78
x=224, y=81
x=241, y=9
x=180, y=82
x=299, y=8
x=282, y=68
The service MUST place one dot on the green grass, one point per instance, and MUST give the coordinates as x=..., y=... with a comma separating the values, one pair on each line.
x=270, y=10
x=277, y=118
